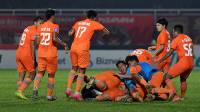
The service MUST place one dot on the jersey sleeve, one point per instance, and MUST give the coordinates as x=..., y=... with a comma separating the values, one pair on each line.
x=174, y=44
x=98, y=26
x=135, y=70
x=163, y=38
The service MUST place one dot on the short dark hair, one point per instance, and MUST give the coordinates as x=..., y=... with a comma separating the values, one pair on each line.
x=163, y=22
x=49, y=13
x=120, y=61
x=37, y=18
x=91, y=14
x=131, y=58
x=178, y=28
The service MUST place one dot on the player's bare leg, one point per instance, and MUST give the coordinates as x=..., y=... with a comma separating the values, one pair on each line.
x=79, y=83
x=27, y=81
x=21, y=78
x=170, y=85
x=51, y=82
x=71, y=77
x=37, y=81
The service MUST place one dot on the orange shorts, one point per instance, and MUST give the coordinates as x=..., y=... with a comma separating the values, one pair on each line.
x=24, y=64
x=157, y=79
x=182, y=68
x=164, y=66
x=80, y=58
x=48, y=64
x=114, y=93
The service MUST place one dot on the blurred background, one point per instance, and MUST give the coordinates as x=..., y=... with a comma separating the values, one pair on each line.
x=131, y=22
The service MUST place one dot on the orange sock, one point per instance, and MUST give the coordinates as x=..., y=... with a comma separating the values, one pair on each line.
x=51, y=82
x=170, y=85
x=79, y=82
x=24, y=84
x=70, y=79
x=161, y=90
x=163, y=96
x=37, y=81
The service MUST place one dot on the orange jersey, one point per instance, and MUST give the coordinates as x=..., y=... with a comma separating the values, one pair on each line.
x=84, y=31
x=163, y=38
x=27, y=37
x=46, y=46
x=183, y=46
x=109, y=78
x=143, y=55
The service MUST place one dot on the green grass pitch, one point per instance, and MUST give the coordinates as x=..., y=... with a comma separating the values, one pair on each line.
x=9, y=103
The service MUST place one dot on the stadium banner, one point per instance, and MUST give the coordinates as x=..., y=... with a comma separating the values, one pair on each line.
x=100, y=59
x=125, y=30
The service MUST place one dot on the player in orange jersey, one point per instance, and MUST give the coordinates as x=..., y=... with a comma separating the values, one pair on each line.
x=79, y=53
x=143, y=55
x=183, y=45
x=25, y=57
x=163, y=44
x=47, y=53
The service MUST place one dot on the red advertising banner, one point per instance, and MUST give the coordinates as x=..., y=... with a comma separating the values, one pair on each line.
x=126, y=30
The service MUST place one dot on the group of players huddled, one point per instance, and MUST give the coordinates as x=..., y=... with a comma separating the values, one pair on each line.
x=142, y=76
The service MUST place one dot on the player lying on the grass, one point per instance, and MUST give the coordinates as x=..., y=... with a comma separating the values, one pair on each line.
x=143, y=55
x=47, y=53
x=79, y=54
x=183, y=45
x=108, y=84
x=162, y=45
x=25, y=57
x=151, y=75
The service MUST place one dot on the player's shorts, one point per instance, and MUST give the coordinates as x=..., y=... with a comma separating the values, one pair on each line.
x=24, y=63
x=182, y=68
x=48, y=64
x=80, y=58
x=164, y=66
x=156, y=79
x=114, y=93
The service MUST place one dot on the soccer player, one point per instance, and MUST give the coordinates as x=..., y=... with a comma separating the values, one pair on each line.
x=150, y=73
x=47, y=53
x=79, y=53
x=109, y=84
x=163, y=44
x=143, y=55
x=25, y=57
x=183, y=45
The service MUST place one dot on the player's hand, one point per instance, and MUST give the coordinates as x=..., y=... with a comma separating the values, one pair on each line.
x=150, y=48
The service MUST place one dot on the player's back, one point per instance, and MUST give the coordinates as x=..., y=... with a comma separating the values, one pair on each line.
x=109, y=78
x=84, y=31
x=24, y=47
x=184, y=46
x=47, y=47
x=163, y=38
x=143, y=55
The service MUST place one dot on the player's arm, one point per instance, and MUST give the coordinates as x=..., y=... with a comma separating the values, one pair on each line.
x=162, y=46
x=105, y=31
x=57, y=40
x=71, y=32
x=151, y=48
x=166, y=56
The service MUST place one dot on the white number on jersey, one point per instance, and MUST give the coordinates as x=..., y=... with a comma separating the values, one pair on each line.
x=188, y=49
x=45, y=39
x=137, y=52
x=23, y=38
x=80, y=31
